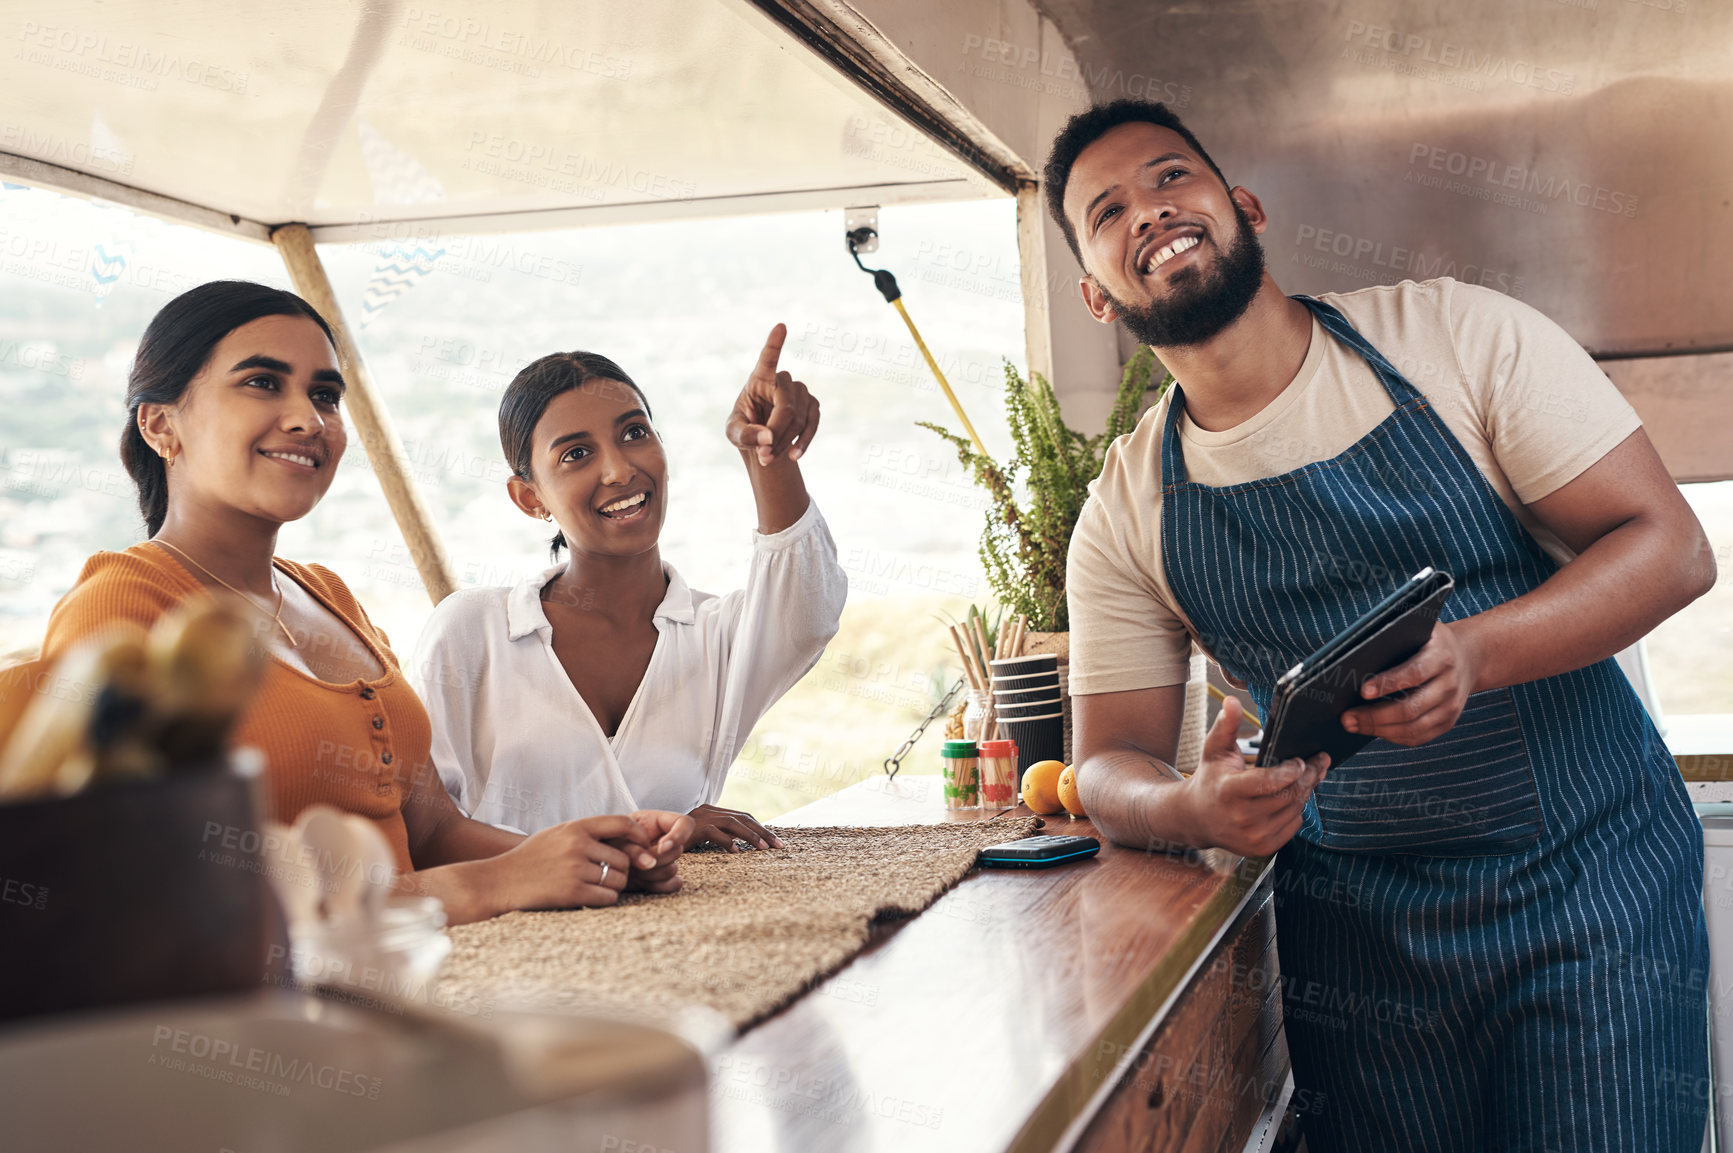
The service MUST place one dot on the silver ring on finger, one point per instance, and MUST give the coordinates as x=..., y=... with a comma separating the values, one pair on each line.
x=603, y=879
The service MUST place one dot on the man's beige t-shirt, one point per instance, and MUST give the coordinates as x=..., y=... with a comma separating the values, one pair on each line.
x=1525, y=400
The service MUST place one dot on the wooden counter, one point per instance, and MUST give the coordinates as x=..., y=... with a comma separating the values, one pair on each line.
x=1125, y=1002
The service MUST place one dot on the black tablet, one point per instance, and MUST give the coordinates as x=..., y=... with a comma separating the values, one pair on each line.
x=1310, y=698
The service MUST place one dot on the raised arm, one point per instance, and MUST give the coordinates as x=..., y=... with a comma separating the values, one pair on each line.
x=772, y=424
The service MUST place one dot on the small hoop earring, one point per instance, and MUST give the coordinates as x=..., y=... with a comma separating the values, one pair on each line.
x=169, y=459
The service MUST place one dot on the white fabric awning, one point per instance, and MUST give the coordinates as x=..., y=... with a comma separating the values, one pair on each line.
x=371, y=119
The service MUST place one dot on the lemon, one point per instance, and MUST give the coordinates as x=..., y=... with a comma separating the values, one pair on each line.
x=1041, y=787
x=1068, y=794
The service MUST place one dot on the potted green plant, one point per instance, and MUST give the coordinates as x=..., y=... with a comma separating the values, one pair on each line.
x=1024, y=543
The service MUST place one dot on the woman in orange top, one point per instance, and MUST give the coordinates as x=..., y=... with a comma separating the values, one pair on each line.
x=234, y=429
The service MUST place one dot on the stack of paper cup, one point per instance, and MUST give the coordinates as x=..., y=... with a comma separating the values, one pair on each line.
x=1027, y=700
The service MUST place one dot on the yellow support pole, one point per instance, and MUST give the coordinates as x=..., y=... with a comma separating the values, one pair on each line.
x=956, y=406
x=367, y=409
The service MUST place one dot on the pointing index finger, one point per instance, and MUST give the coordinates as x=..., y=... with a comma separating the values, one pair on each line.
x=765, y=369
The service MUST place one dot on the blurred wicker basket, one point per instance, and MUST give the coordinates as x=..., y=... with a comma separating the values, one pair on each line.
x=134, y=891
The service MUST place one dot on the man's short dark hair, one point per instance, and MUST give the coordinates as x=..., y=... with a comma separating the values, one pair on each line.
x=1085, y=129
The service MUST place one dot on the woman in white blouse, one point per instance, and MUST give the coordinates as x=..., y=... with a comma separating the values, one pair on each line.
x=605, y=684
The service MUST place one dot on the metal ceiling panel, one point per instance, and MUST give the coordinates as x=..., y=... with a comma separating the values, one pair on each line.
x=1577, y=154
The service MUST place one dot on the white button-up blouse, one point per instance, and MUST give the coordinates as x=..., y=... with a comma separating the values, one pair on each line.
x=516, y=745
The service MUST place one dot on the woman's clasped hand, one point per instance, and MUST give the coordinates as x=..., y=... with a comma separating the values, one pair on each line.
x=593, y=860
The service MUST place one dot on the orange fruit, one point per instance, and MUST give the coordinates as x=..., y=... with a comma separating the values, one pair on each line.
x=1041, y=787
x=1068, y=794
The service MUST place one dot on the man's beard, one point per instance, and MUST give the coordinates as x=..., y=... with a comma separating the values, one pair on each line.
x=1200, y=305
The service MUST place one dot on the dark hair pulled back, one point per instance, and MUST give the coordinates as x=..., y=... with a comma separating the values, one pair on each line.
x=534, y=388
x=175, y=347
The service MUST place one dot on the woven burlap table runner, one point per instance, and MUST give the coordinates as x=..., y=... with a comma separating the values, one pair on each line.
x=749, y=932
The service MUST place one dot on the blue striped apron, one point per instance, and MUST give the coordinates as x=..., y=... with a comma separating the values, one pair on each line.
x=1494, y=940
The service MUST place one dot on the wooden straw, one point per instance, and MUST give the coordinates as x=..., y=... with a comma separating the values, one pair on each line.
x=1010, y=645
x=979, y=675
x=990, y=722
x=971, y=643
x=968, y=665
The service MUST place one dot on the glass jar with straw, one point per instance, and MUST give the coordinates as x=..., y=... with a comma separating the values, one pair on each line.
x=977, y=644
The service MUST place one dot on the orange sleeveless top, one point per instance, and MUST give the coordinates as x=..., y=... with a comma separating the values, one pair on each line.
x=352, y=746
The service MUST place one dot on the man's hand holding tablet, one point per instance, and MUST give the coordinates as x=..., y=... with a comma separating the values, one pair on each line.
x=1243, y=808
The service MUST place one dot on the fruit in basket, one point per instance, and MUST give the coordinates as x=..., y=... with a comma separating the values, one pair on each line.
x=1069, y=797
x=208, y=664
x=101, y=686
x=122, y=705
x=1041, y=787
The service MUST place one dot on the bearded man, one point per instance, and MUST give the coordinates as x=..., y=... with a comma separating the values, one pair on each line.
x=1499, y=897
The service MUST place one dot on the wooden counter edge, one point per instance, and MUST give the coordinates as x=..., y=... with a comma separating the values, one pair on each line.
x=1082, y=1088
x=1705, y=766
x=1701, y=744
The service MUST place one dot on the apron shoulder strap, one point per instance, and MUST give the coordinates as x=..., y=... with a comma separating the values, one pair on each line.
x=1397, y=385
x=1172, y=457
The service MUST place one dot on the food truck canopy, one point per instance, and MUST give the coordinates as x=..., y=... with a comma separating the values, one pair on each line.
x=1573, y=153
x=456, y=115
